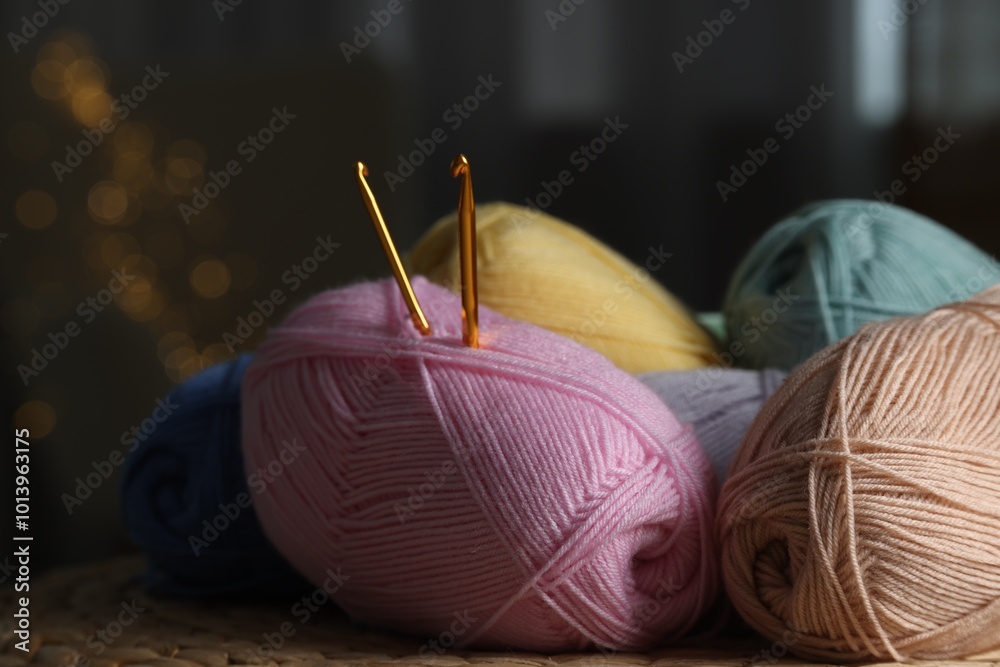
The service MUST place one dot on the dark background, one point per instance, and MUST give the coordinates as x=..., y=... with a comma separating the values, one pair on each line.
x=898, y=71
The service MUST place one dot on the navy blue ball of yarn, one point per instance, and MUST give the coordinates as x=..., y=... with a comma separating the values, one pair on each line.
x=189, y=470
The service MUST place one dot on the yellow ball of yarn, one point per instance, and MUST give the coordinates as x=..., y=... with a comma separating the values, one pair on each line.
x=538, y=269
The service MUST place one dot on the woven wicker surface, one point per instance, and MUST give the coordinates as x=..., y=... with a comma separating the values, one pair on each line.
x=69, y=607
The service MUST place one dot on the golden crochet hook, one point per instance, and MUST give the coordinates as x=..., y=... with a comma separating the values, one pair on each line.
x=467, y=251
x=389, y=247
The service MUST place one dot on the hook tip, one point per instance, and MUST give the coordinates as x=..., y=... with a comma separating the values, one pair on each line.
x=459, y=165
x=362, y=169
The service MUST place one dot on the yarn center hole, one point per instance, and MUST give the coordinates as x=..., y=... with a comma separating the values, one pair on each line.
x=774, y=575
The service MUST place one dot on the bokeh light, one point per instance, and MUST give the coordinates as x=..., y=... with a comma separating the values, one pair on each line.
x=37, y=416
x=93, y=246
x=180, y=317
x=53, y=70
x=141, y=265
x=107, y=202
x=78, y=43
x=153, y=308
x=136, y=296
x=133, y=138
x=47, y=80
x=171, y=341
x=133, y=171
x=182, y=175
x=116, y=247
x=210, y=278
x=91, y=105
x=217, y=353
x=180, y=362
x=192, y=366
x=186, y=148
x=83, y=74
x=60, y=51
x=36, y=209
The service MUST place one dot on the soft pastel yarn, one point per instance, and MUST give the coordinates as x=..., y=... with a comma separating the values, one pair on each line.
x=861, y=517
x=525, y=494
x=720, y=403
x=833, y=266
x=189, y=471
x=536, y=268
x=714, y=323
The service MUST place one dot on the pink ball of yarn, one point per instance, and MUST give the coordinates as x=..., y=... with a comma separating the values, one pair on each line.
x=528, y=493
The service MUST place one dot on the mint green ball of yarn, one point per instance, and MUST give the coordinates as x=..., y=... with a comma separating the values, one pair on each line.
x=832, y=266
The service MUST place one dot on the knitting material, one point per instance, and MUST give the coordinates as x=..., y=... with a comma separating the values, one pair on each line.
x=714, y=323
x=862, y=513
x=719, y=403
x=185, y=497
x=525, y=494
x=833, y=266
x=536, y=268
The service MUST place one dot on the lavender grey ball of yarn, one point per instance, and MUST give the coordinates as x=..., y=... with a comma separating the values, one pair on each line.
x=720, y=403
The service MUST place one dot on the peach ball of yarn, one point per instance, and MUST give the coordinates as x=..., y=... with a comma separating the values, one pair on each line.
x=527, y=493
x=536, y=268
x=861, y=517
